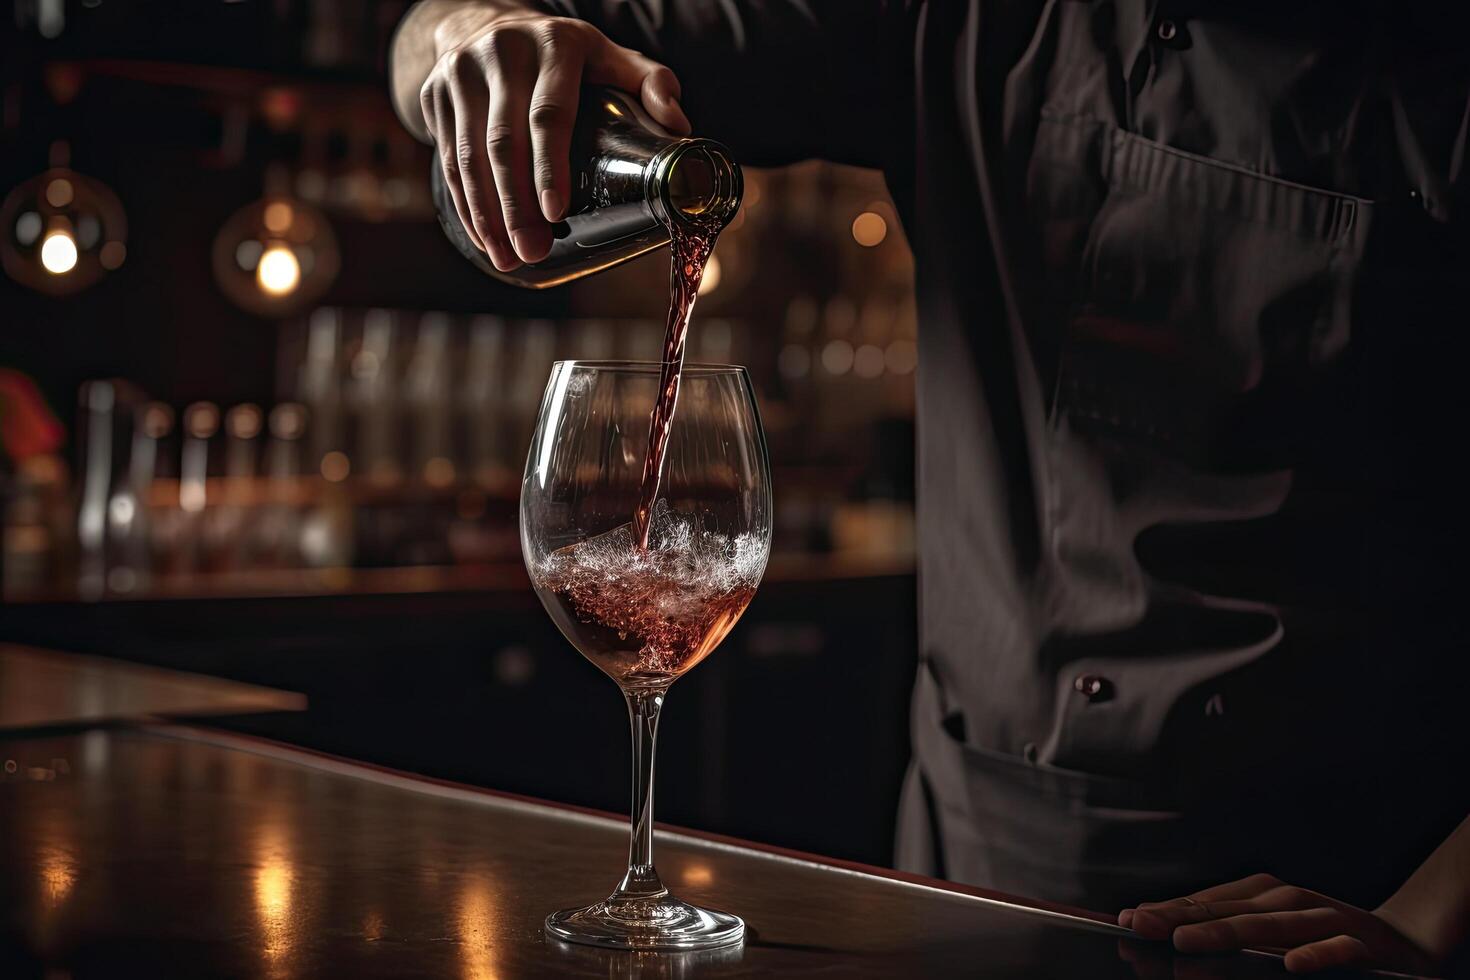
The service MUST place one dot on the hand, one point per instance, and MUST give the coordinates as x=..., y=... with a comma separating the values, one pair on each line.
x=500, y=102
x=1260, y=912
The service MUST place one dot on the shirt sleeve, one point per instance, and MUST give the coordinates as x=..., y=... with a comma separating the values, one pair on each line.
x=775, y=80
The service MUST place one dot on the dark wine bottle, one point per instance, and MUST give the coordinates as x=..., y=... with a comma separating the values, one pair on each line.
x=633, y=184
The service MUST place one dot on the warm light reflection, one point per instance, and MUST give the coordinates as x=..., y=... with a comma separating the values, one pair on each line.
x=278, y=216
x=59, y=253
x=474, y=919
x=698, y=875
x=372, y=926
x=278, y=272
x=869, y=229
x=867, y=362
x=274, y=884
x=711, y=280
x=439, y=471
x=58, y=874
x=59, y=193
x=336, y=466
x=837, y=357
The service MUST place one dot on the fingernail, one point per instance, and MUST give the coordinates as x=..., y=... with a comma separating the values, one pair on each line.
x=504, y=262
x=528, y=247
x=551, y=205
x=1125, y=918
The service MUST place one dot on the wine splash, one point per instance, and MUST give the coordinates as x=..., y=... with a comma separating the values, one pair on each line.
x=690, y=245
x=647, y=615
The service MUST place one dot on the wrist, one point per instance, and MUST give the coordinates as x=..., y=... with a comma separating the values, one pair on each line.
x=1415, y=925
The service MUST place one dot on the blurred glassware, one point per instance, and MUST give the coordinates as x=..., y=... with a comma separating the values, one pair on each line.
x=104, y=425
x=481, y=403
x=278, y=530
x=427, y=394
x=374, y=398
x=319, y=387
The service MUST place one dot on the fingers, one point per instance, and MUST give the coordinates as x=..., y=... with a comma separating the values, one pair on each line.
x=508, y=141
x=475, y=177
x=1244, y=888
x=1327, y=953
x=630, y=71
x=438, y=118
x=1158, y=921
x=553, y=112
x=501, y=109
x=1258, y=929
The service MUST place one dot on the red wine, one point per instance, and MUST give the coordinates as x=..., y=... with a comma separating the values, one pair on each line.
x=647, y=615
x=690, y=245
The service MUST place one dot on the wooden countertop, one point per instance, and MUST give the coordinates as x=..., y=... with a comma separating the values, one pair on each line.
x=44, y=687
x=169, y=851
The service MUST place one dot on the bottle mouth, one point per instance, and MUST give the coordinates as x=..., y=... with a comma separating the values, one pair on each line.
x=698, y=183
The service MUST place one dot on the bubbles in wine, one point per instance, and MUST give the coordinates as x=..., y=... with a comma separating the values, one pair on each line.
x=674, y=600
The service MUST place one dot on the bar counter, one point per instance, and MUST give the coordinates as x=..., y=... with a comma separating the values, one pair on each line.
x=167, y=850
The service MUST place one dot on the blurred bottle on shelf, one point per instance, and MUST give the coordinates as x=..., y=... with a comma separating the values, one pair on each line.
x=429, y=406
x=375, y=399
x=320, y=386
x=481, y=408
x=278, y=531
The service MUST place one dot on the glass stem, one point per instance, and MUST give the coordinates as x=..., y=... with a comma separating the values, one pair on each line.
x=642, y=880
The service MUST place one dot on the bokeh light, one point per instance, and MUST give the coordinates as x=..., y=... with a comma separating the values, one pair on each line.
x=59, y=253
x=278, y=271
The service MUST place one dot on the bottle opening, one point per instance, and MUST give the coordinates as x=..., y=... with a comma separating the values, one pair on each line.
x=692, y=182
x=702, y=182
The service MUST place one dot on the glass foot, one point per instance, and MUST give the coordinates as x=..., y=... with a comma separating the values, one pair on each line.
x=654, y=923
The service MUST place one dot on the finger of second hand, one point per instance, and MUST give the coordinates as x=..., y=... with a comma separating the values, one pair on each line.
x=1258, y=930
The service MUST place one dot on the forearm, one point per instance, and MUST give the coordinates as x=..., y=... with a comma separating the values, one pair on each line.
x=1433, y=907
x=426, y=31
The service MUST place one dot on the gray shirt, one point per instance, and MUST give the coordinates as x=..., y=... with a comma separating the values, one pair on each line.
x=1190, y=282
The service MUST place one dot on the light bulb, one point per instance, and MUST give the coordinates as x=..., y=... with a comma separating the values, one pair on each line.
x=59, y=253
x=278, y=272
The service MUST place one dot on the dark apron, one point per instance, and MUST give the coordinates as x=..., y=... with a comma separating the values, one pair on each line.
x=1187, y=321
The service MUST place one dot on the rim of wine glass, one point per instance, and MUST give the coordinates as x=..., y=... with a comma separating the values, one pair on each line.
x=653, y=367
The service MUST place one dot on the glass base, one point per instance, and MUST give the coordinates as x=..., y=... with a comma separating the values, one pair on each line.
x=661, y=923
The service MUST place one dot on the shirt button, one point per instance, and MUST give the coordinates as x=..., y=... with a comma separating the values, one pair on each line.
x=1168, y=30
x=1094, y=687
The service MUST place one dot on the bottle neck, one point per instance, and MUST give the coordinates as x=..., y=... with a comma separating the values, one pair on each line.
x=694, y=182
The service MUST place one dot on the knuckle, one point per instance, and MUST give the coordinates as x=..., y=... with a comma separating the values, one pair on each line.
x=499, y=138
x=554, y=32
x=1264, y=880
x=464, y=154
x=1292, y=895
x=547, y=115
x=499, y=43
x=460, y=63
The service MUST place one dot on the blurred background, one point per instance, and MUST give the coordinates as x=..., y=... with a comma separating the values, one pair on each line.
x=260, y=420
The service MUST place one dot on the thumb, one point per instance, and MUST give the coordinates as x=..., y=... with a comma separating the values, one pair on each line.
x=655, y=85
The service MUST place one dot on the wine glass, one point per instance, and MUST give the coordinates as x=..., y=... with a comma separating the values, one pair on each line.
x=644, y=616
